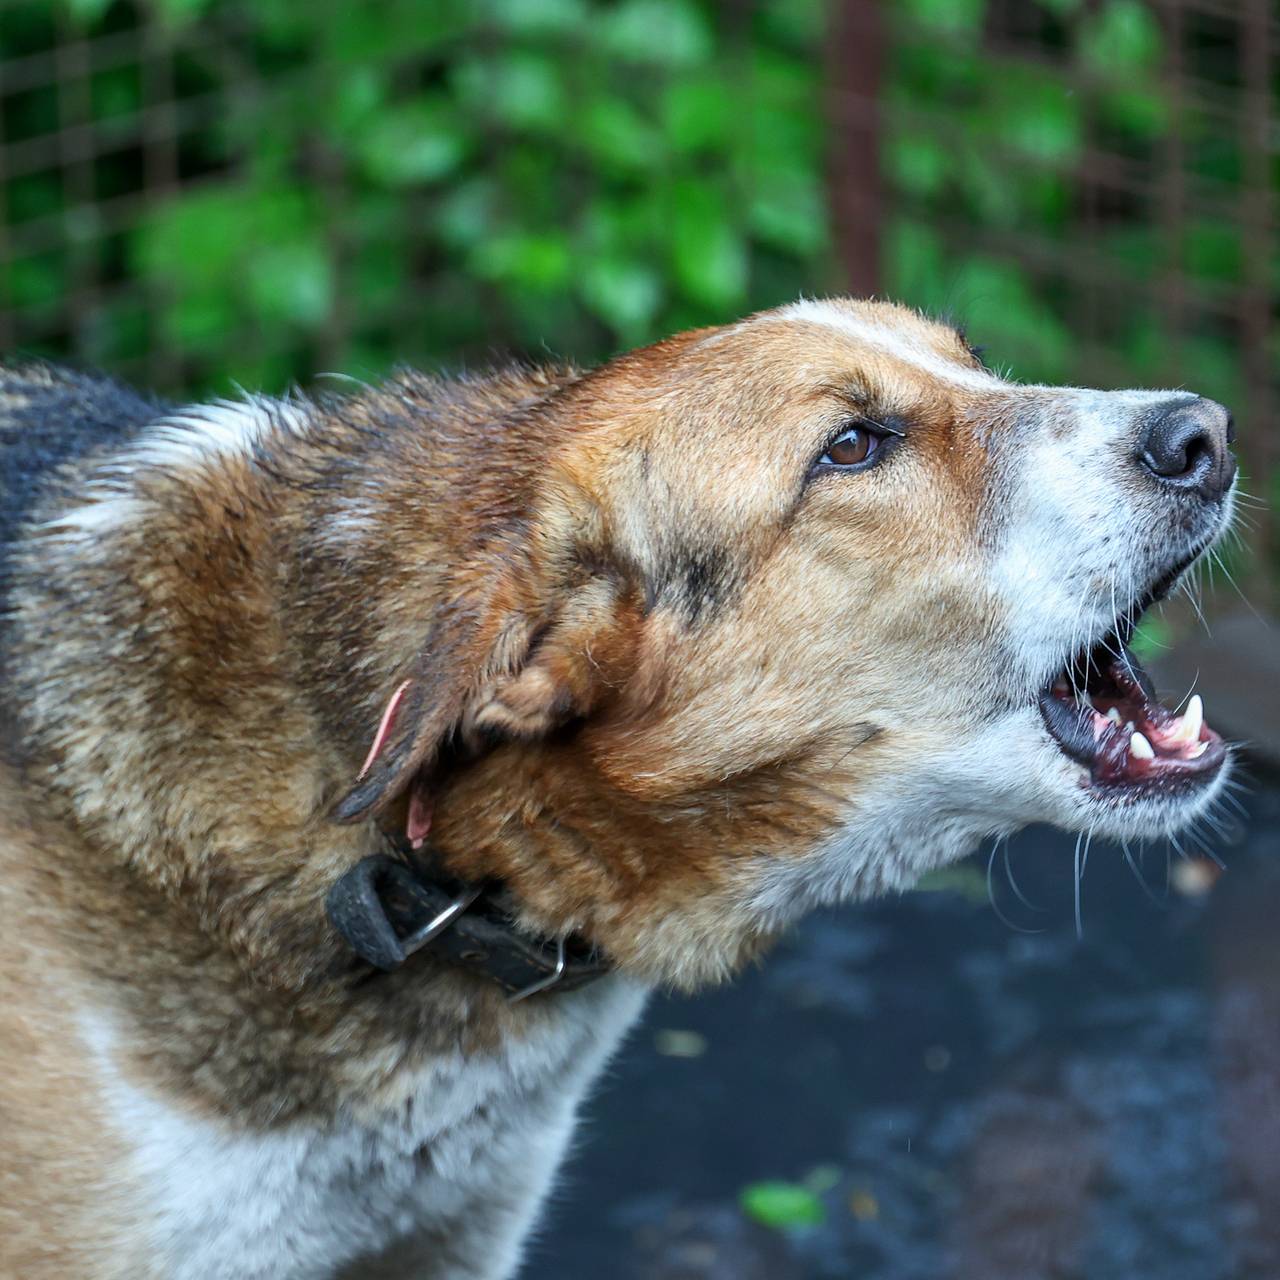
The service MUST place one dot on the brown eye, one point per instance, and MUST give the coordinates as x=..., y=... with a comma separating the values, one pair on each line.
x=853, y=446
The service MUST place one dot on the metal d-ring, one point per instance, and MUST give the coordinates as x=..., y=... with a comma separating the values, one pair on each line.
x=542, y=983
x=419, y=938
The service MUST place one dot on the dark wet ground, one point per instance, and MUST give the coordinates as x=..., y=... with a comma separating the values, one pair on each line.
x=965, y=1100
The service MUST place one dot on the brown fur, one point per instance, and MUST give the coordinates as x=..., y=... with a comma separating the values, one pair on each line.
x=627, y=623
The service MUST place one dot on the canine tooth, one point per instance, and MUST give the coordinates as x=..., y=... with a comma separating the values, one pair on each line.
x=1140, y=748
x=1114, y=715
x=1192, y=719
x=1197, y=751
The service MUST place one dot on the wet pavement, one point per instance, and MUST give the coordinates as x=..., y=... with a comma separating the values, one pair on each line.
x=957, y=1098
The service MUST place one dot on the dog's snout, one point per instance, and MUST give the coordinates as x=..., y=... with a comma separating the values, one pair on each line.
x=1185, y=445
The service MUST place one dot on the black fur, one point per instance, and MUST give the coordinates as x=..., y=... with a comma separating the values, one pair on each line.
x=697, y=583
x=49, y=417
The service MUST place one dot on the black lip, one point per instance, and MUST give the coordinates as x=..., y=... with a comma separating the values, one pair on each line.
x=1105, y=679
x=1069, y=728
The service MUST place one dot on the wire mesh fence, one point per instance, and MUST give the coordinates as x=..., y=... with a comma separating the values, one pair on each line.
x=196, y=191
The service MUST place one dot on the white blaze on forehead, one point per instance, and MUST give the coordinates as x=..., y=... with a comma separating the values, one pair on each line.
x=892, y=340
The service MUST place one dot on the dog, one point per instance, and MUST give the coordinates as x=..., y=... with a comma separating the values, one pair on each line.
x=369, y=756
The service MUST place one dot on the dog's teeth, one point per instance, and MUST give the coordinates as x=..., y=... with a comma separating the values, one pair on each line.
x=1197, y=751
x=1114, y=715
x=1140, y=748
x=1192, y=719
x=1185, y=731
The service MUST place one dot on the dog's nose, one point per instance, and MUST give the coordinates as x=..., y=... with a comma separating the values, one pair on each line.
x=1185, y=445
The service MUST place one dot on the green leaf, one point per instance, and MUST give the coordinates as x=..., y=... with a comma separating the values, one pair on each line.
x=624, y=294
x=537, y=260
x=670, y=33
x=539, y=17
x=291, y=283
x=1037, y=114
x=915, y=266
x=38, y=280
x=800, y=23
x=616, y=134
x=960, y=17
x=467, y=214
x=417, y=143
x=788, y=210
x=1152, y=638
x=917, y=163
x=195, y=240
x=783, y=1206
x=1121, y=38
x=180, y=12
x=697, y=114
x=87, y=12
x=116, y=92
x=520, y=89
x=708, y=253
x=1214, y=251
x=1143, y=112
x=200, y=322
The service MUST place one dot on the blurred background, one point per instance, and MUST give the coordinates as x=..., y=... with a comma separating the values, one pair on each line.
x=205, y=194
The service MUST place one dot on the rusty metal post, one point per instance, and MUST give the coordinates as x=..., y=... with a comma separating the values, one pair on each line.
x=1258, y=438
x=855, y=62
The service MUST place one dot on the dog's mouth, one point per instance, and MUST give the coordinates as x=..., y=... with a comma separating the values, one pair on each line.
x=1102, y=711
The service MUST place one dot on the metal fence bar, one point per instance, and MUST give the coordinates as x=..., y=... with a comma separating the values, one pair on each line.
x=1258, y=236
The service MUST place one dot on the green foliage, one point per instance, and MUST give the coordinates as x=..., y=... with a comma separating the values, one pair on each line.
x=430, y=181
x=782, y=1205
x=437, y=182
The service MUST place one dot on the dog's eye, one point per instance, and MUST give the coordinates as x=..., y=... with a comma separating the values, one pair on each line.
x=853, y=446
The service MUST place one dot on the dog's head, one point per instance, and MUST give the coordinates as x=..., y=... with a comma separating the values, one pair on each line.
x=803, y=606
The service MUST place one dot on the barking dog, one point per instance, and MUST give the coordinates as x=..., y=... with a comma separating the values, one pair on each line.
x=367, y=758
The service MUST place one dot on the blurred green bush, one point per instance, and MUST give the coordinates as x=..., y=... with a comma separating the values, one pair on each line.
x=438, y=182
x=427, y=180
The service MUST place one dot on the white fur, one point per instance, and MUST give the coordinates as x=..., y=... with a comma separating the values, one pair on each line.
x=893, y=341
x=1080, y=536
x=1076, y=534
x=197, y=436
x=303, y=1201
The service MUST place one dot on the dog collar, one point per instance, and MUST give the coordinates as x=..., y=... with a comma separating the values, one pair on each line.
x=387, y=908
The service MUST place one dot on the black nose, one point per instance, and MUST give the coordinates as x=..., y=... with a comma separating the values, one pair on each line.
x=1184, y=445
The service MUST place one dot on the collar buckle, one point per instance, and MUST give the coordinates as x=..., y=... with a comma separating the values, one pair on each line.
x=542, y=984
x=434, y=927
x=387, y=909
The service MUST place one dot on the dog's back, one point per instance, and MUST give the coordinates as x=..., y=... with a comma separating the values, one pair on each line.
x=49, y=417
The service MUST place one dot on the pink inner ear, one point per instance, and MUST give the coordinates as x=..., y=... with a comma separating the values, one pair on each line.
x=419, y=819
x=384, y=728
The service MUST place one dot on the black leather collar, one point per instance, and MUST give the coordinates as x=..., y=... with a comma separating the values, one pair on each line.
x=388, y=908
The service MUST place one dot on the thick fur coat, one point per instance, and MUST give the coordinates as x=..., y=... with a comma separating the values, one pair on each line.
x=674, y=673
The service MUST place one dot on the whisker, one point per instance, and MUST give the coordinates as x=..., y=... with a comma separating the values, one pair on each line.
x=1013, y=884
x=991, y=896
x=1078, y=872
x=1141, y=879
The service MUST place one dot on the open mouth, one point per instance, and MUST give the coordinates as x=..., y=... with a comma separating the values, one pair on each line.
x=1102, y=711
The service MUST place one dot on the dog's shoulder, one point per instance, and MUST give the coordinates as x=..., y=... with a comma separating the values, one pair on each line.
x=51, y=417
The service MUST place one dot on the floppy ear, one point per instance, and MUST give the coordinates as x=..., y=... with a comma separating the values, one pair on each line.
x=504, y=676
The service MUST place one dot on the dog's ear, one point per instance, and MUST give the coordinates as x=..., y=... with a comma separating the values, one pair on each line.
x=496, y=674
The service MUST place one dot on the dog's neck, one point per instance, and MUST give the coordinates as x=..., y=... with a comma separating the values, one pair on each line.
x=645, y=882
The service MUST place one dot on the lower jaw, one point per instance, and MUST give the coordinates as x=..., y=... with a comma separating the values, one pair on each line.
x=1128, y=747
